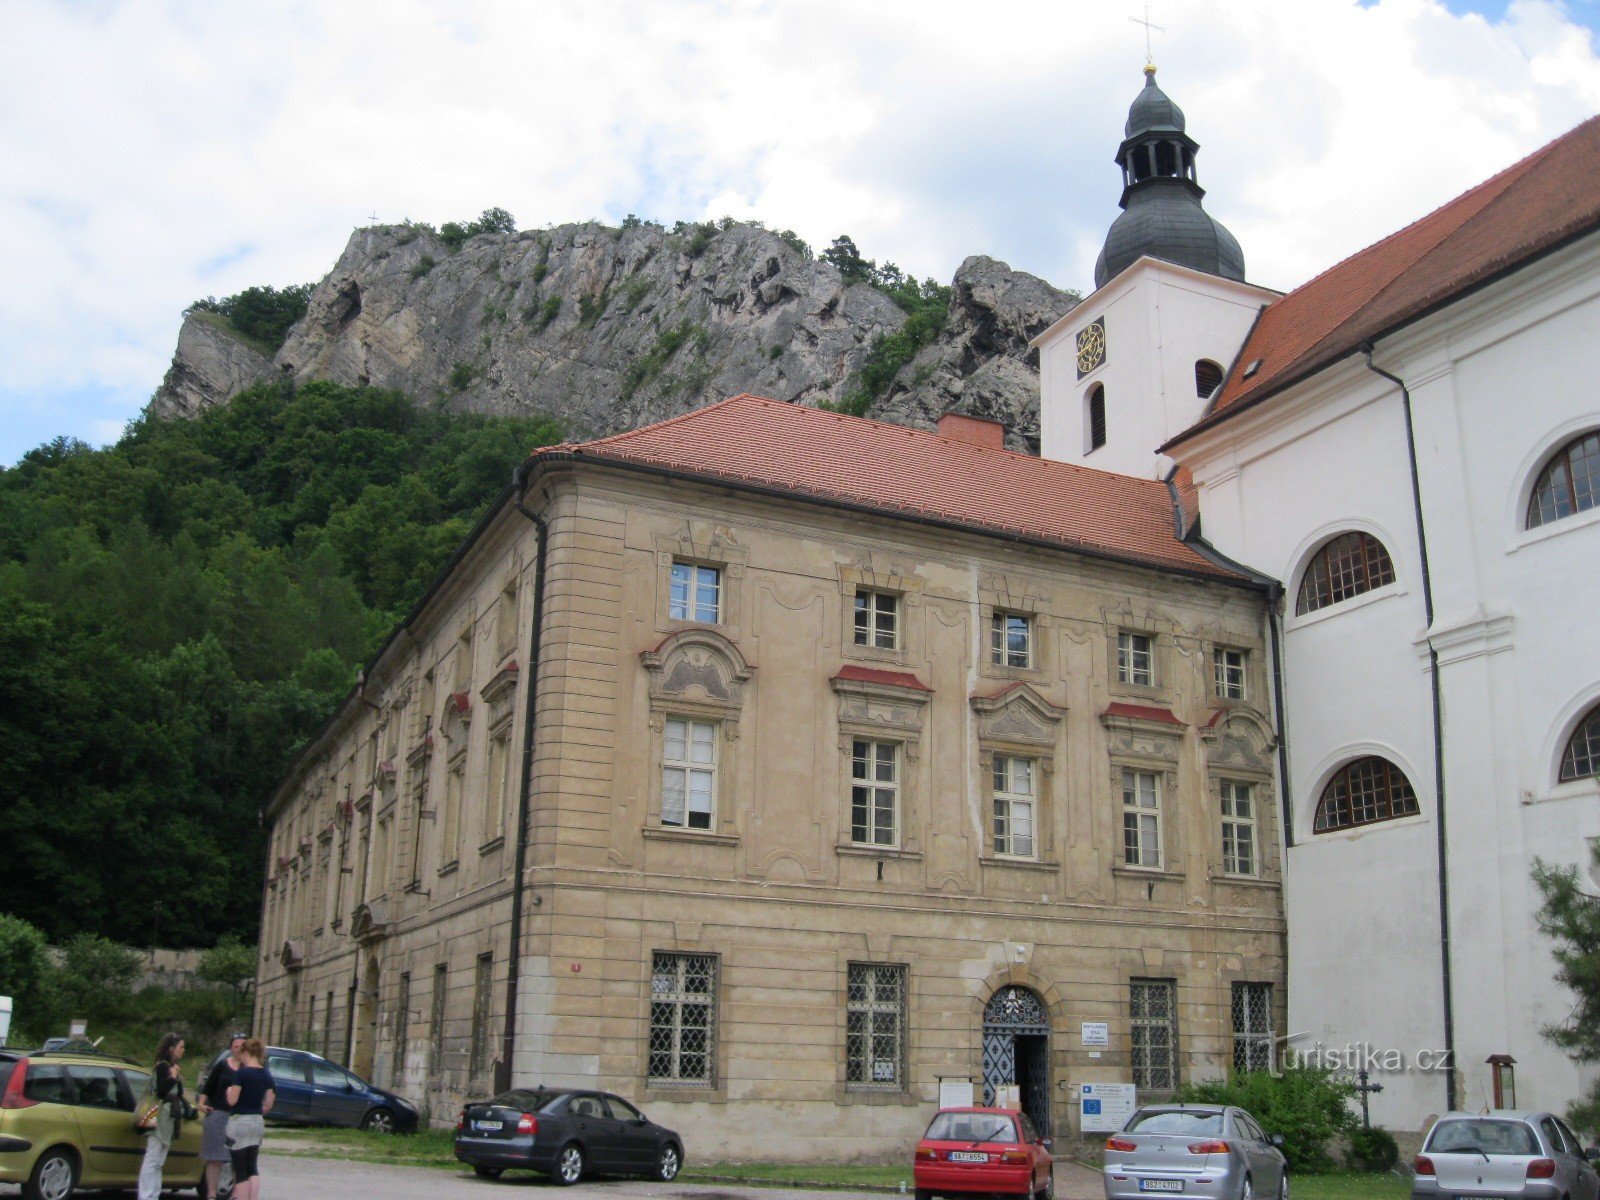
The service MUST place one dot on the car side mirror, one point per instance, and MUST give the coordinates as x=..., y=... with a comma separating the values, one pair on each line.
x=1592, y=1154
x=1276, y=1139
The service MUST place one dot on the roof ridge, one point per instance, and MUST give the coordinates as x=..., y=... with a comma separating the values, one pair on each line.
x=611, y=439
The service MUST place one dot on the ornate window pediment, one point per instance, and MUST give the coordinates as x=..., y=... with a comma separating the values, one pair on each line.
x=1018, y=714
x=698, y=667
x=371, y=921
x=1238, y=739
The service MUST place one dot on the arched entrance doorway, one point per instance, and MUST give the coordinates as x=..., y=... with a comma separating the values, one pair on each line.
x=365, y=1024
x=1016, y=1050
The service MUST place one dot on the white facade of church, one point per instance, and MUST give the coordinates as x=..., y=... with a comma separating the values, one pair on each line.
x=1500, y=380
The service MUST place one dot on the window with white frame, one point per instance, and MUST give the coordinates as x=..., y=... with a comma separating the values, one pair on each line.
x=1569, y=482
x=1015, y=805
x=875, y=1026
x=696, y=593
x=1153, y=1024
x=1141, y=818
x=1252, y=1027
x=1238, y=828
x=1581, y=758
x=1135, y=658
x=688, y=774
x=1227, y=670
x=874, y=792
x=1010, y=639
x=683, y=1018
x=877, y=619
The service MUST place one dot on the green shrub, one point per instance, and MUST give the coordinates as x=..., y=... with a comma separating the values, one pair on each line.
x=1373, y=1150
x=25, y=967
x=492, y=220
x=549, y=312
x=775, y=352
x=461, y=376
x=424, y=265
x=1308, y=1106
x=230, y=963
x=262, y=314
x=649, y=365
x=592, y=308
x=636, y=291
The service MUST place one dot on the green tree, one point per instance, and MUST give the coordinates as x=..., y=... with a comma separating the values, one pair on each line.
x=24, y=967
x=1308, y=1106
x=263, y=314
x=230, y=963
x=1570, y=917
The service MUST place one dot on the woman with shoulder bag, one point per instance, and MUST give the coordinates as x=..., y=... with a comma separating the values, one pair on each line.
x=250, y=1098
x=166, y=1082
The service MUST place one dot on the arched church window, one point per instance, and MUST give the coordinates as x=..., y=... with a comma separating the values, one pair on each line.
x=1347, y=566
x=1364, y=792
x=1094, y=416
x=1207, y=377
x=1166, y=158
x=1581, y=759
x=1569, y=483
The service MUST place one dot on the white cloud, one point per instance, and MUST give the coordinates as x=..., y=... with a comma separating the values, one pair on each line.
x=157, y=152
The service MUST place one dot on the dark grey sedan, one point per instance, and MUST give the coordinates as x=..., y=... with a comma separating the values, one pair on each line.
x=1209, y=1150
x=565, y=1134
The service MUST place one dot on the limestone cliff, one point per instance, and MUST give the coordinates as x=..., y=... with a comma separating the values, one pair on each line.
x=610, y=328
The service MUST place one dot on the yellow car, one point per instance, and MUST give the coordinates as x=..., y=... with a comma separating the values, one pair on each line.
x=66, y=1122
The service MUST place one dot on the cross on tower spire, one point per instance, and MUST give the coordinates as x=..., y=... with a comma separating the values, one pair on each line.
x=1149, y=57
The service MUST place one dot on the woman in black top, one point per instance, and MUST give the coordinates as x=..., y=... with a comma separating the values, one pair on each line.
x=168, y=1085
x=214, y=1107
x=250, y=1097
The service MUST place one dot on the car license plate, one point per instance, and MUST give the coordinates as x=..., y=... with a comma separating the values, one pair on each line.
x=486, y=1126
x=971, y=1156
x=1161, y=1185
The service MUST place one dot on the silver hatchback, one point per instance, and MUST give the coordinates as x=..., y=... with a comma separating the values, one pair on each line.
x=1206, y=1150
x=1504, y=1154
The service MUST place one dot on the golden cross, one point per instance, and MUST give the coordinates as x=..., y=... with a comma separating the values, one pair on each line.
x=1149, y=58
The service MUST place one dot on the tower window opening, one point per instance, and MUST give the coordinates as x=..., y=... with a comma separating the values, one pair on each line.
x=1207, y=377
x=1095, y=418
x=1141, y=163
x=1166, y=158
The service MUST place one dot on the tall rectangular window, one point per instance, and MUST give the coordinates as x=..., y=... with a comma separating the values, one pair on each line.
x=1010, y=640
x=482, y=997
x=327, y=1027
x=1227, y=669
x=877, y=616
x=402, y=1028
x=874, y=1040
x=450, y=825
x=1238, y=828
x=689, y=774
x=441, y=985
x=1141, y=818
x=683, y=1014
x=1014, y=805
x=874, y=792
x=1252, y=1027
x=696, y=593
x=499, y=784
x=462, y=673
x=1154, y=1031
x=1134, y=659
x=505, y=620
x=382, y=849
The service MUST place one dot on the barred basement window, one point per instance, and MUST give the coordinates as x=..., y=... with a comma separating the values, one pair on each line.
x=683, y=1010
x=1238, y=828
x=1010, y=640
x=1349, y=565
x=874, y=792
x=1252, y=1027
x=1569, y=483
x=1014, y=805
x=1581, y=760
x=1365, y=792
x=1154, y=1027
x=874, y=1040
x=877, y=619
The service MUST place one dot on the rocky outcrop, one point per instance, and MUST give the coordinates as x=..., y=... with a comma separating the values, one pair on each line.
x=609, y=329
x=212, y=363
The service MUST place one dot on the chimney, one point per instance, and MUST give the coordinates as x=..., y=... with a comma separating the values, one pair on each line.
x=975, y=431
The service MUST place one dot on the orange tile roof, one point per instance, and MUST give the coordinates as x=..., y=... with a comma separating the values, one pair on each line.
x=902, y=679
x=1141, y=712
x=751, y=441
x=1504, y=222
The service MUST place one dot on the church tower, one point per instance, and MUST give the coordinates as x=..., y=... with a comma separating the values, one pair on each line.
x=1135, y=363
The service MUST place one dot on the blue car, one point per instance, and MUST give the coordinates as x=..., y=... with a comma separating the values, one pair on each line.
x=313, y=1091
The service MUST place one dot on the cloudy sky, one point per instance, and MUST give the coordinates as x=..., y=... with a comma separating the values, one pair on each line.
x=157, y=152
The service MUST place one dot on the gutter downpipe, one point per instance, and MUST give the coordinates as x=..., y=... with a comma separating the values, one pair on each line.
x=525, y=797
x=1438, y=730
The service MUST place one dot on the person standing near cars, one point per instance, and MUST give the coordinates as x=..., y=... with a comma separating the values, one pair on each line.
x=167, y=1083
x=214, y=1109
x=250, y=1098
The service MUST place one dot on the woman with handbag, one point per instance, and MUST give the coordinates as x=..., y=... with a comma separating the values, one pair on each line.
x=250, y=1098
x=166, y=1087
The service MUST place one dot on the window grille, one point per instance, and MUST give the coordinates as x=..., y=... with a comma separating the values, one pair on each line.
x=683, y=1005
x=1141, y=818
x=1228, y=673
x=1252, y=1027
x=1010, y=640
x=1349, y=565
x=875, y=1052
x=1581, y=759
x=689, y=774
x=1569, y=483
x=1014, y=803
x=874, y=792
x=1238, y=828
x=1363, y=792
x=1154, y=1027
x=877, y=619
x=696, y=593
x=1135, y=661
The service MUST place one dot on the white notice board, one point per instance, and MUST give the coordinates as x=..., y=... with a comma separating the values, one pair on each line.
x=1097, y=1033
x=1105, y=1107
x=955, y=1093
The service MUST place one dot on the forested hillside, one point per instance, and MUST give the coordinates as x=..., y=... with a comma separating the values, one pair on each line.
x=180, y=610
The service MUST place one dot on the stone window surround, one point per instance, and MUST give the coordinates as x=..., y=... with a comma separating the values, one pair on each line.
x=1164, y=973
x=1248, y=668
x=1165, y=768
x=866, y=1088
x=1023, y=598
x=1001, y=723
x=902, y=725
x=702, y=548
x=908, y=589
x=877, y=949
x=686, y=937
x=1161, y=635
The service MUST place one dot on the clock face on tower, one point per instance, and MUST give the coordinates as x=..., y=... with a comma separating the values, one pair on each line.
x=1091, y=346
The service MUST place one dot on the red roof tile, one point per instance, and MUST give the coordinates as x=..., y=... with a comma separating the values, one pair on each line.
x=903, y=679
x=751, y=441
x=1527, y=209
x=1142, y=712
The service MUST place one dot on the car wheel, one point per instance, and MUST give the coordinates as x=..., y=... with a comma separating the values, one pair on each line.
x=379, y=1120
x=1283, y=1186
x=924, y=1194
x=1247, y=1190
x=569, y=1164
x=1048, y=1190
x=669, y=1164
x=54, y=1176
x=486, y=1172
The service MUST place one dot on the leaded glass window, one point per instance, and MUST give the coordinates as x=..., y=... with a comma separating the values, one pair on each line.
x=1154, y=1027
x=1252, y=1027
x=1569, y=483
x=1363, y=792
x=683, y=1005
x=1581, y=760
x=874, y=1040
x=1349, y=565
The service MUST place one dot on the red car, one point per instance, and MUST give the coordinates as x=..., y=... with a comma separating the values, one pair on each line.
x=988, y=1150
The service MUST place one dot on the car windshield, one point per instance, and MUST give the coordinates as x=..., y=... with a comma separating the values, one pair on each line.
x=1184, y=1123
x=1482, y=1137
x=971, y=1127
